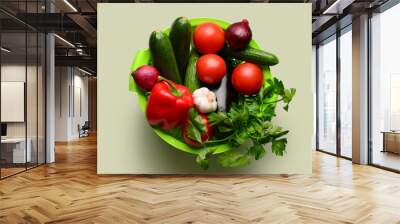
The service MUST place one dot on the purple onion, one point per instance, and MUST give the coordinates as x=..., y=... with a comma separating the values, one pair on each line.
x=238, y=35
x=146, y=77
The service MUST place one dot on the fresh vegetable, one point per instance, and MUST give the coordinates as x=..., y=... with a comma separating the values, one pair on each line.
x=197, y=129
x=180, y=37
x=168, y=105
x=211, y=68
x=247, y=78
x=221, y=91
x=252, y=55
x=226, y=102
x=204, y=100
x=232, y=63
x=146, y=77
x=250, y=119
x=230, y=93
x=163, y=56
x=209, y=38
x=191, y=80
x=238, y=35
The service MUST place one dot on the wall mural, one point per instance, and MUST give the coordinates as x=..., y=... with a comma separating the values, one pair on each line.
x=206, y=88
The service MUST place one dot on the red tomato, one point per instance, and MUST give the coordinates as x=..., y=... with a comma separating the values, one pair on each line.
x=210, y=68
x=208, y=38
x=204, y=136
x=247, y=78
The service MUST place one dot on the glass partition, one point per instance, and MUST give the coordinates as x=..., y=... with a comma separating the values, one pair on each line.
x=346, y=92
x=14, y=155
x=32, y=95
x=327, y=95
x=22, y=77
x=385, y=89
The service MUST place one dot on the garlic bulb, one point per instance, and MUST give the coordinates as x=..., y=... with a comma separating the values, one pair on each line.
x=205, y=100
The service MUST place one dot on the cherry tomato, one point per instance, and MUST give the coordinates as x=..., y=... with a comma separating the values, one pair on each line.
x=247, y=78
x=208, y=38
x=204, y=136
x=210, y=68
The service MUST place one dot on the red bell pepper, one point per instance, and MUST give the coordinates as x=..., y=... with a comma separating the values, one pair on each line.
x=168, y=105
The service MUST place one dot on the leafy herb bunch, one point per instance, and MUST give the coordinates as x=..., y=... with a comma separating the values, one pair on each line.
x=250, y=119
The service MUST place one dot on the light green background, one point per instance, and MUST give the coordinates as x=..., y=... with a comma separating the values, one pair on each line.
x=127, y=144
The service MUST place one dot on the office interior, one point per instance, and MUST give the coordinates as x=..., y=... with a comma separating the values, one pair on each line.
x=48, y=95
x=373, y=83
x=48, y=76
x=48, y=120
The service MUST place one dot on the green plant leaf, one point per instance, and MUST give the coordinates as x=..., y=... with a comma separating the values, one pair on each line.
x=233, y=159
x=224, y=129
x=279, y=146
x=287, y=98
x=193, y=132
x=202, y=159
x=289, y=94
x=196, y=119
x=257, y=151
x=216, y=118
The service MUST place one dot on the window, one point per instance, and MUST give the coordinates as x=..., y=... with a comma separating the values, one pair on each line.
x=346, y=92
x=385, y=89
x=327, y=95
x=333, y=77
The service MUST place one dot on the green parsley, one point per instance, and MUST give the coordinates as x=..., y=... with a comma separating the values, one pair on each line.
x=250, y=119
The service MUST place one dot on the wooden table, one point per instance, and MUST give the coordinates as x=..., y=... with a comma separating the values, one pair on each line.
x=391, y=141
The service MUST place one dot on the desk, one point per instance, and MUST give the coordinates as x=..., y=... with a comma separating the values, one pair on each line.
x=18, y=149
x=391, y=141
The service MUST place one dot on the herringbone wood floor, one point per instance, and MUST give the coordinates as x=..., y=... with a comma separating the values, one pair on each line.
x=69, y=191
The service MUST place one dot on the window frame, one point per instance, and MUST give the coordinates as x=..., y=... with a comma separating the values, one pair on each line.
x=336, y=38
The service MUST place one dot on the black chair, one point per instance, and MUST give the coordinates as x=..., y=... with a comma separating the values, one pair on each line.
x=84, y=130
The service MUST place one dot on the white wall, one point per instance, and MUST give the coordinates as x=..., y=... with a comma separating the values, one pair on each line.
x=70, y=83
x=62, y=82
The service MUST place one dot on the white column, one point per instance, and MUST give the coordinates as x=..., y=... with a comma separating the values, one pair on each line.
x=50, y=100
x=50, y=92
x=360, y=90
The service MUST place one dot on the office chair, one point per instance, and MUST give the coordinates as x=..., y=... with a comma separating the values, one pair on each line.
x=84, y=130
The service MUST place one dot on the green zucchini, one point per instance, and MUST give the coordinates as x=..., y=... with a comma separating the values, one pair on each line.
x=191, y=80
x=163, y=56
x=180, y=36
x=253, y=55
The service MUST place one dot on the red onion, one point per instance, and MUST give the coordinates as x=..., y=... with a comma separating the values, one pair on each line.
x=146, y=77
x=238, y=35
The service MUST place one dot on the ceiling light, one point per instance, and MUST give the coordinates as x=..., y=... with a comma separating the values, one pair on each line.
x=5, y=50
x=65, y=41
x=70, y=5
x=84, y=71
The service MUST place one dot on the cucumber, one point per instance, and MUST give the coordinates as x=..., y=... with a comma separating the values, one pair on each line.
x=163, y=56
x=191, y=80
x=253, y=55
x=232, y=63
x=180, y=36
